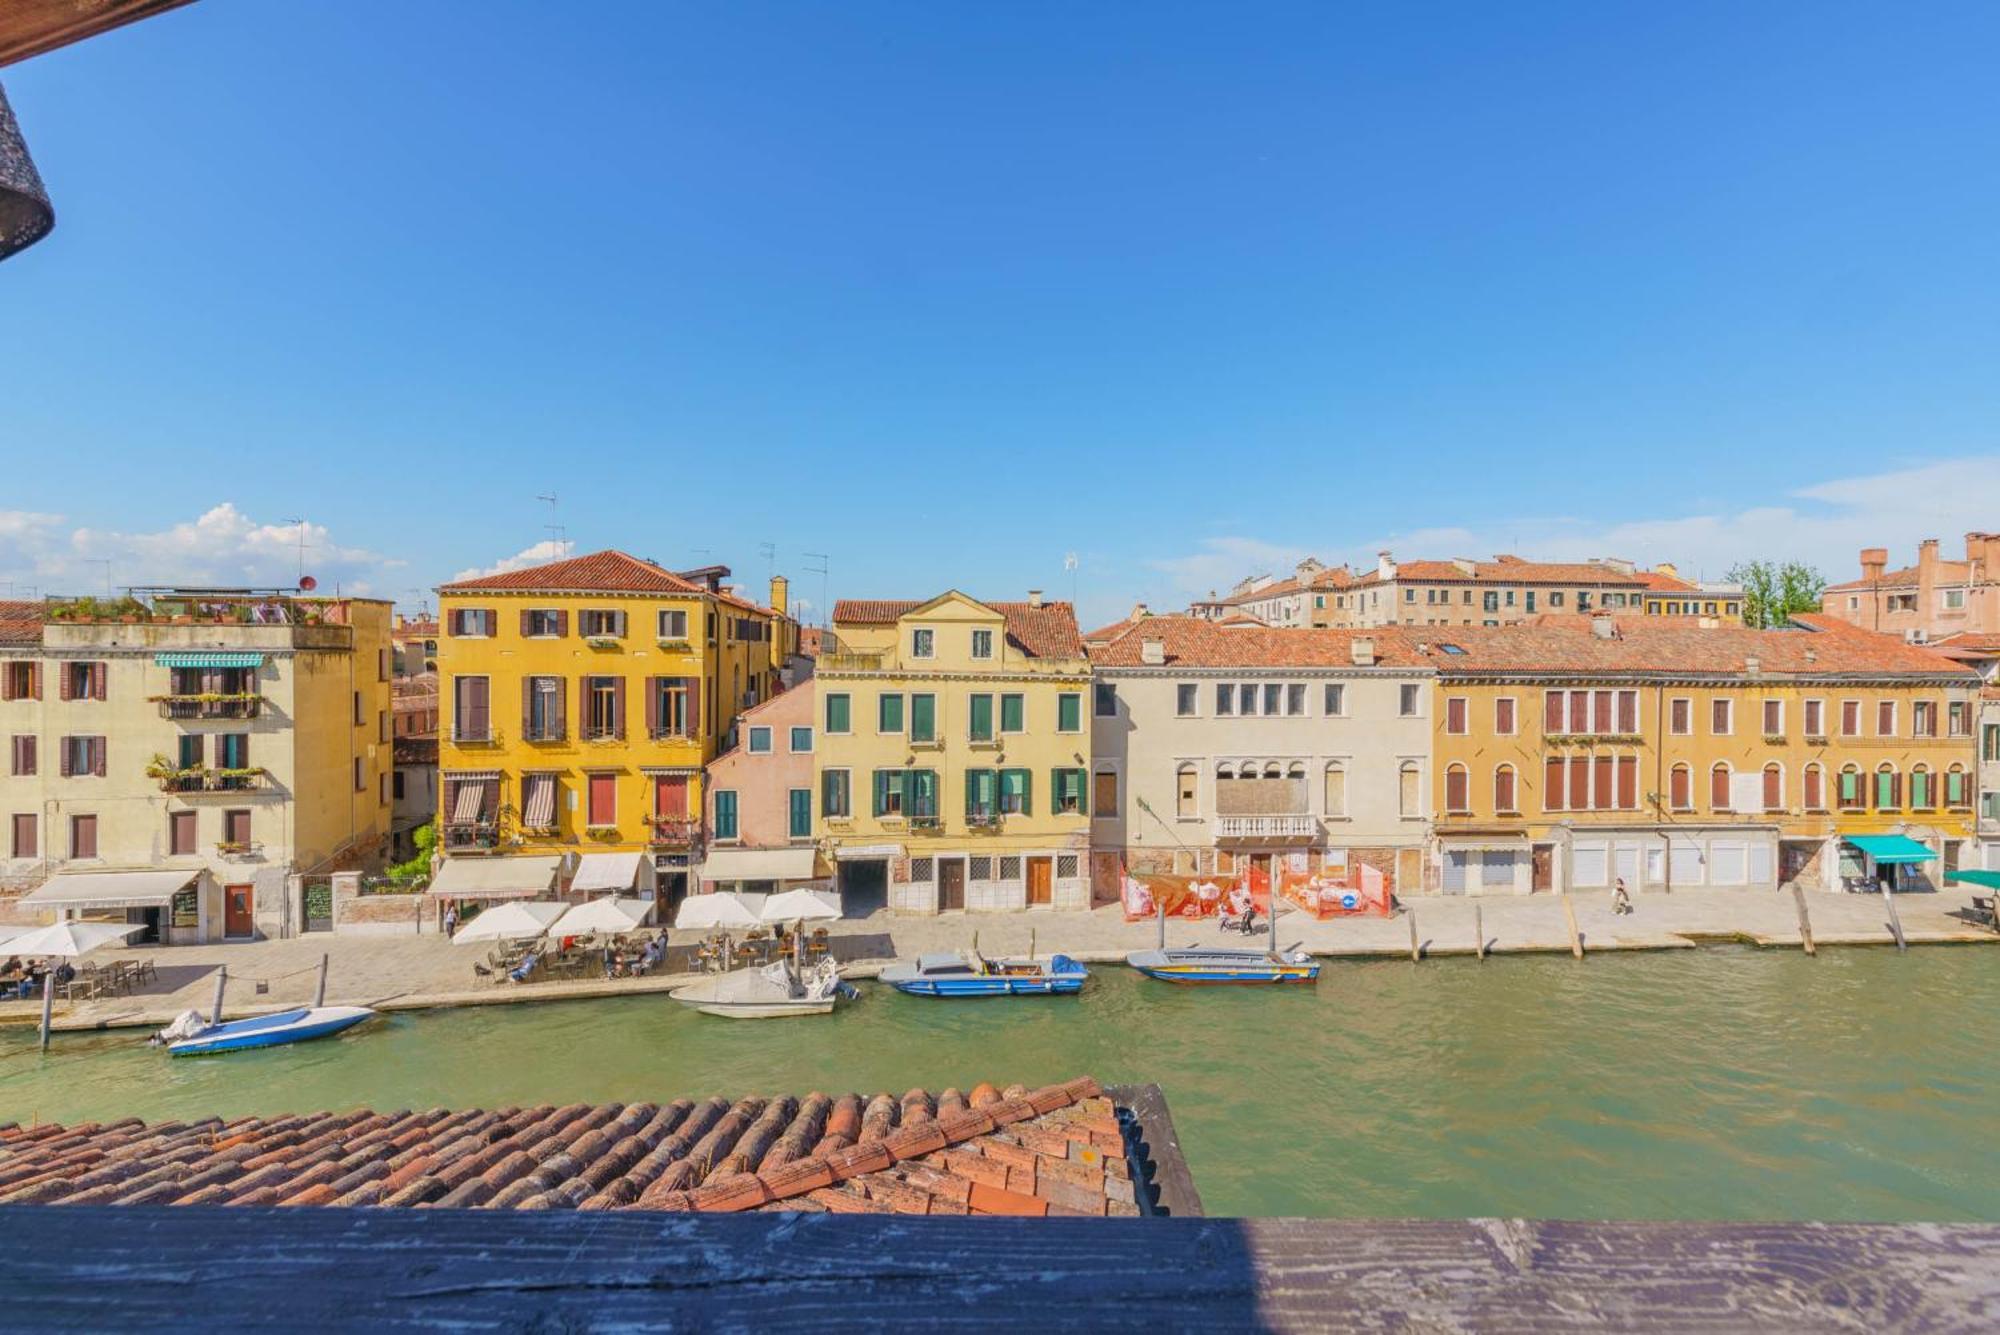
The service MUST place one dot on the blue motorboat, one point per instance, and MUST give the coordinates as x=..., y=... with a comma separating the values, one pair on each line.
x=263, y=1031
x=973, y=975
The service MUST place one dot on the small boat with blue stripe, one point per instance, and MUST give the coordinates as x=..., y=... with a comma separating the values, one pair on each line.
x=973, y=975
x=1221, y=964
x=183, y=1039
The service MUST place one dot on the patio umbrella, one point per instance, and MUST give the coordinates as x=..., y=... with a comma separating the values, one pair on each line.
x=515, y=921
x=721, y=909
x=602, y=915
x=67, y=940
x=800, y=906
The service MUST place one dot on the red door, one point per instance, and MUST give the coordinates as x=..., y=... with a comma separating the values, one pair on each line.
x=237, y=919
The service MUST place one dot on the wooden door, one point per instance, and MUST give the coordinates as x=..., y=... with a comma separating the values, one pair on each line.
x=1041, y=881
x=951, y=884
x=237, y=919
x=1544, y=864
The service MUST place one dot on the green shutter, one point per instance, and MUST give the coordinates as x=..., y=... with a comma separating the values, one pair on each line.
x=982, y=718
x=979, y=793
x=1954, y=787
x=1011, y=713
x=1885, y=789
x=1849, y=785
x=923, y=718
x=1069, y=712
x=725, y=815
x=836, y=713
x=802, y=813
x=889, y=713
x=881, y=792
x=829, y=793
x=920, y=793
x=1027, y=792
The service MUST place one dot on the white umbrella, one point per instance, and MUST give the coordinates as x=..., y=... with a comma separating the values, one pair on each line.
x=721, y=909
x=800, y=905
x=67, y=940
x=602, y=915
x=510, y=922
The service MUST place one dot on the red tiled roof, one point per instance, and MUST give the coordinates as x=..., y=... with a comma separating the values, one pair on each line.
x=1681, y=645
x=1197, y=642
x=1508, y=570
x=1056, y=1150
x=1047, y=631
x=20, y=622
x=599, y=572
x=1661, y=582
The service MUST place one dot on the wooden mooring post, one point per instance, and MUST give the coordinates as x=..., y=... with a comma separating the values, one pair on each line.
x=1416, y=950
x=1575, y=936
x=1805, y=919
x=1160, y=912
x=48, y=1002
x=221, y=981
x=1479, y=930
x=319, y=993
x=1895, y=920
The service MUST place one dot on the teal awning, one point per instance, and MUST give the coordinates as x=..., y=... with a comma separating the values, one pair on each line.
x=209, y=659
x=1989, y=879
x=1891, y=847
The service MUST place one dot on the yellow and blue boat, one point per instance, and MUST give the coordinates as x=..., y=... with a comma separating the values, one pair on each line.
x=1221, y=964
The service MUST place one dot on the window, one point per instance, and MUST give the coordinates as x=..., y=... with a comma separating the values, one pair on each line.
x=1066, y=791
x=836, y=713
x=236, y=827
x=1504, y=799
x=1923, y=718
x=982, y=796
x=1503, y=716
x=1274, y=695
x=670, y=707
x=1885, y=718
x=1015, y=795
x=542, y=709
x=1952, y=600
x=25, y=844
x=889, y=712
x=190, y=750
x=1069, y=712
x=602, y=622
x=21, y=681
x=982, y=644
x=1107, y=699
x=1295, y=699
x=1888, y=789
x=1680, y=716
x=471, y=718
x=1409, y=786
x=542, y=623
x=1456, y=708
x=23, y=760
x=888, y=792
x=1721, y=716
x=83, y=681
x=399, y=776
x=801, y=741
x=1923, y=796
x=472, y=622
x=603, y=708
x=1490, y=601
x=1410, y=700
x=1815, y=718
x=672, y=624
x=1956, y=792
x=760, y=740
x=1013, y=713
x=1336, y=701
x=835, y=794
x=1850, y=718
x=1104, y=792
x=1225, y=700
x=83, y=836
x=1850, y=789
x=979, y=718
x=725, y=814
x=923, y=642
x=1774, y=718
x=1774, y=788
x=1680, y=789
x=1185, y=696
x=1989, y=742
x=83, y=756
x=180, y=833
x=1813, y=788
x=1457, y=791
x=1718, y=788
x=799, y=813
x=232, y=750
x=1187, y=801
x=1958, y=718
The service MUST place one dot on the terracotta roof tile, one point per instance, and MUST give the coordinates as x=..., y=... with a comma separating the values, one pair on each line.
x=1819, y=646
x=20, y=622
x=1198, y=642
x=599, y=572
x=1045, y=631
x=1511, y=570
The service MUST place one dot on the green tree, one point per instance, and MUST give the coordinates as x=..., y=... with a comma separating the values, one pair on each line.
x=1774, y=591
x=424, y=838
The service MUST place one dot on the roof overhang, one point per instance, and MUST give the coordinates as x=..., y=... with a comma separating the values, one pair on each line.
x=495, y=878
x=111, y=889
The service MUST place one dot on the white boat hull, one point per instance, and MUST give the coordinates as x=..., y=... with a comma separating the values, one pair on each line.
x=763, y=994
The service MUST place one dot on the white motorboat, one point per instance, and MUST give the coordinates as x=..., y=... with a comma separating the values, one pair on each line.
x=768, y=993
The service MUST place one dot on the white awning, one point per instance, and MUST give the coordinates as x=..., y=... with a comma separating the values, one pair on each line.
x=111, y=889
x=758, y=864
x=606, y=871
x=495, y=878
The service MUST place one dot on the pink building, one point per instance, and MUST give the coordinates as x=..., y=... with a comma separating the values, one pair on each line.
x=1927, y=601
x=761, y=800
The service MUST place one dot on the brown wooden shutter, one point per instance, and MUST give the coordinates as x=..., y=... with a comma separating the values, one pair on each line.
x=32, y=746
x=1603, y=797
x=1601, y=711
x=68, y=752
x=34, y=681
x=562, y=621
x=618, y=707
x=1718, y=788
x=524, y=622
x=527, y=701
x=1628, y=713
x=1552, y=782
x=63, y=684
x=100, y=680
x=1628, y=783
x=693, y=726
x=653, y=685
x=97, y=756
x=1579, y=783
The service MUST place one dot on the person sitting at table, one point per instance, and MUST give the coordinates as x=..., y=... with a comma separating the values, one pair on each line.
x=519, y=973
x=65, y=974
x=655, y=951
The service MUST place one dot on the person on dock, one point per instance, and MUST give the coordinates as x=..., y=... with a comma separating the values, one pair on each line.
x=1621, y=903
x=451, y=920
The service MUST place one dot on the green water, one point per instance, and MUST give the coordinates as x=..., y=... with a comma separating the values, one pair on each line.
x=1714, y=1084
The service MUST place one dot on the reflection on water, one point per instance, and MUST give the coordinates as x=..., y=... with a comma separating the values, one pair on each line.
x=1714, y=1084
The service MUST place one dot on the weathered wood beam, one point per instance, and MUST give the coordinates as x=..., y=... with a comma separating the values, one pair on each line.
x=35, y=27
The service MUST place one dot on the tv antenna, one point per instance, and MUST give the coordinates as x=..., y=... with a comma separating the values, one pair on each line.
x=770, y=553
x=554, y=528
x=820, y=570
x=99, y=561
x=1070, y=563
x=300, y=521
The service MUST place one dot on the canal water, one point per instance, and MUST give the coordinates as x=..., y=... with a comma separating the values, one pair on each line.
x=1714, y=1084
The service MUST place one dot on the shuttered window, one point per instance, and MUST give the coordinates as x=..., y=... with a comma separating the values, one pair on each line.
x=800, y=813
x=83, y=836
x=725, y=814
x=180, y=833
x=1104, y=792
x=1069, y=712
x=603, y=799
x=1455, y=715
x=1457, y=791
x=979, y=725
x=1555, y=788
x=1503, y=790
x=1888, y=790
x=1016, y=796
x=982, y=794
x=22, y=756
x=834, y=794
x=836, y=713
x=1066, y=792
x=1718, y=788
x=1680, y=789
x=1013, y=713
x=1503, y=716
x=1681, y=713
x=1815, y=788
x=923, y=718
x=25, y=844
x=471, y=716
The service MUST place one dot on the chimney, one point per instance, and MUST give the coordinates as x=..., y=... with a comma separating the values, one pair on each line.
x=1752, y=665
x=1603, y=626
x=780, y=587
x=1152, y=652
x=1874, y=560
x=1927, y=553
x=1812, y=655
x=1140, y=611
x=1034, y=597
x=1385, y=565
x=1362, y=649
x=1465, y=565
x=1667, y=568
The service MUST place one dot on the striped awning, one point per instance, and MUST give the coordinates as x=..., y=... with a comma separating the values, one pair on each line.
x=471, y=800
x=541, y=804
x=208, y=659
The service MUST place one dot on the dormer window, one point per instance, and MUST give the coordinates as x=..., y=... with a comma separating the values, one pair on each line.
x=923, y=643
x=982, y=643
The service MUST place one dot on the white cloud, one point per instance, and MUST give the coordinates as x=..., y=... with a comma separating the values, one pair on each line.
x=546, y=550
x=1220, y=562
x=221, y=546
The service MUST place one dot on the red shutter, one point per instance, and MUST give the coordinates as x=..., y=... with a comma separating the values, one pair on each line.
x=1579, y=711
x=1771, y=787
x=694, y=716
x=63, y=684
x=1718, y=789
x=1503, y=789
x=1628, y=713
x=1677, y=789
x=68, y=751
x=1579, y=783
x=1552, y=712
x=1454, y=790
x=1601, y=711
x=1814, y=781
x=670, y=796
x=653, y=685
x=34, y=681
x=1602, y=796
x=618, y=707
x=100, y=680
x=1628, y=783
x=1454, y=715
x=1885, y=718
x=603, y=799
x=561, y=720
x=1552, y=785
x=1503, y=715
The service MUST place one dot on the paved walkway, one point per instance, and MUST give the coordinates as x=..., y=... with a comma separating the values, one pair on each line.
x=414, y=972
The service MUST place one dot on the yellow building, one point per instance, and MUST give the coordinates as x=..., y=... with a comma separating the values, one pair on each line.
x=580, y=700
x=954, y=755
x=1691, y=755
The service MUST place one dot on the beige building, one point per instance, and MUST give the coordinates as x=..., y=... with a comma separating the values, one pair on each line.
x=1218, y=746
x=1508, y=589
x=1927, y=601
x=182, y=757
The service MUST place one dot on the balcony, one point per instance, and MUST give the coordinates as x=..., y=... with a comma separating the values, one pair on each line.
x=926, y=825
x=1230, y=828
x=209, y=706
x=189, y=782
x=472, y=836
x=490, y=737
x=673, y=832
x=984, y=822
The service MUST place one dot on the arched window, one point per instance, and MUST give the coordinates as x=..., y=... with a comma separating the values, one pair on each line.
x=1923, y=794
x=1774, y=787
x=1224, y=771
x=1409, y=789
x=1852, y=798
x=1680, y=789
x=1815, y=788
x=1956, y=794
x=1272, y=771
x=1503, y=790
x=1718, y=787
x=1336, y=789
x=1187, y=799
x=1457, y=790
x=1888, y=788
x=1296, y=770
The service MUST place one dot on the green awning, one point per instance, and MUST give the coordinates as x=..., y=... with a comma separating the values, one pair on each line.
x=1891, y=847
x=210, y=659
x=1989, y=879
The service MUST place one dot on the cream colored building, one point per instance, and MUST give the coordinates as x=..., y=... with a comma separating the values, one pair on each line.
x=1219, y=746
x=953, y=755
x=182, y=758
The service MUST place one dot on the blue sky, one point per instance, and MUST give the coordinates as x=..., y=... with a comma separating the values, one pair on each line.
x=948, y=291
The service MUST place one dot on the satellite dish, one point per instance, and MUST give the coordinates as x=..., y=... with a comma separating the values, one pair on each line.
x=307, y=583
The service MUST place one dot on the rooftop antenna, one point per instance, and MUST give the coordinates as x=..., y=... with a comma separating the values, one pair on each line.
x=300, y=521
x=1070, y=564
x=558, y=534
x=820, y=570
x=98, y=561
x=770, y=551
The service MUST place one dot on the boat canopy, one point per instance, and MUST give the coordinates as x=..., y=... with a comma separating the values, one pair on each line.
x=111, y=889
x=1889, y=848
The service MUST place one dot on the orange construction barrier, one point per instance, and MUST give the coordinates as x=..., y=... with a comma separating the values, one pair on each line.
x=1340, y=892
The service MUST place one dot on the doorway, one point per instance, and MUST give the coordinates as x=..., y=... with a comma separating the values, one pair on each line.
x=864, y=887
x=951, y=884
x=1041, y=882
x=238, y=920
x=1543, y=862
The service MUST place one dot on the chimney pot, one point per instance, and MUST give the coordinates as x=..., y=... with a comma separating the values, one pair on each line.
x=1034, y=597
x=1152, y=652
x=1362, y=651
x=1751, y=665
x=1603, y=627
x=1874, y=561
